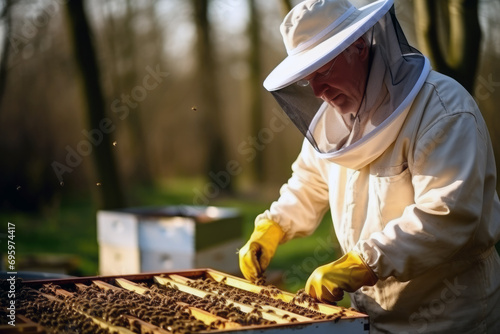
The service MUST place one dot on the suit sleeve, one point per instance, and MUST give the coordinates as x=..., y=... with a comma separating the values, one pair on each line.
x=303, y=199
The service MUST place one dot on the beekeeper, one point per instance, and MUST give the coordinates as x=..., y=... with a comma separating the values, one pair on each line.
x=402, y=157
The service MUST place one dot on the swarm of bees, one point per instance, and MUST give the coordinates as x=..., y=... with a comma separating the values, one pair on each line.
x=270, y=291
x=301, y=297
x=55, y=317
x=217, y=305
x=263, y=298
x=72, y=309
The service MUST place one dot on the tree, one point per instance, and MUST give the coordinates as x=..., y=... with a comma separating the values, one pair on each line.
x=448, y=32
x=6, y=15
x=210, y=111
x=286, y=5
x=106, y=170
x=130, y=78
x=255, y=98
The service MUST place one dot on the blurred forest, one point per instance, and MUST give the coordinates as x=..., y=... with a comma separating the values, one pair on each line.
x=176, y=92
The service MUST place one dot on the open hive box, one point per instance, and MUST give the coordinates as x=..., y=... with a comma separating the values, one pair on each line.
x=190, y=301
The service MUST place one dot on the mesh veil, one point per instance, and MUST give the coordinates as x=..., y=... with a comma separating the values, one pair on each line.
x=394, y=69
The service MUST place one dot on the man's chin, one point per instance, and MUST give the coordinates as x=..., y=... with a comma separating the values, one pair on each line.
x=343, y=105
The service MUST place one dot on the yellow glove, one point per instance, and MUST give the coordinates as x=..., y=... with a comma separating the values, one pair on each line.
x=260, y=248
x=349, y=273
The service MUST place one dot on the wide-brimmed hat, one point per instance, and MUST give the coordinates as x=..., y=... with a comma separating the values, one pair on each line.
x=316, y=31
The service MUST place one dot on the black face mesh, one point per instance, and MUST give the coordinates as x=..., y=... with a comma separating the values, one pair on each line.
x=394, y=69
x=300, y=104
x=405, y=47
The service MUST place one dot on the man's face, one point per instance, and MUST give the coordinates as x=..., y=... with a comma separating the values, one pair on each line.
x=341, y=82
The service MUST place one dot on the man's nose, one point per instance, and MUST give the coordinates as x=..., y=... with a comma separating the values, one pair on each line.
x=318, y=87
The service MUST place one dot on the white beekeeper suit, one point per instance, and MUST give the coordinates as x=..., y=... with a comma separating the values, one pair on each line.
x=410, y=177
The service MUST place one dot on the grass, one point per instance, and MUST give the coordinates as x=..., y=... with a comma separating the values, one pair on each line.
x=71, y=231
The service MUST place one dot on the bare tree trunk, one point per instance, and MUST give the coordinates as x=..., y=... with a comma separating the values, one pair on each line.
x=112, y=40
x=210, y=110
x=255, y=85
x=121, y=39
x=134, y=120
x=4, y=58
x=157, y=32
x=111, y=190
x=286, y=5
x=458, y=55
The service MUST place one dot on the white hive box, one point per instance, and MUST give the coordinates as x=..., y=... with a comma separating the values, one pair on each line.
x=168, y=238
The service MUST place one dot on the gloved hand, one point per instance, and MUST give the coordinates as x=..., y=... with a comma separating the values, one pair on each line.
x=260, y=248
x=349, y=273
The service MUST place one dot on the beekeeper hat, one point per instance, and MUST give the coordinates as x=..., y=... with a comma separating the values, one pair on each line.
x=316, y=31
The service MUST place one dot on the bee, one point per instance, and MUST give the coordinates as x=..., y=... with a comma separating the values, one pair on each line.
x=156, y=318
x=222, y=313
x=265, y=292
x=141, y=313
x=261, y=281
x=135, y=326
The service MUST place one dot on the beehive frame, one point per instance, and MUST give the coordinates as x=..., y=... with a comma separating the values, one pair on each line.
x=274, y=319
